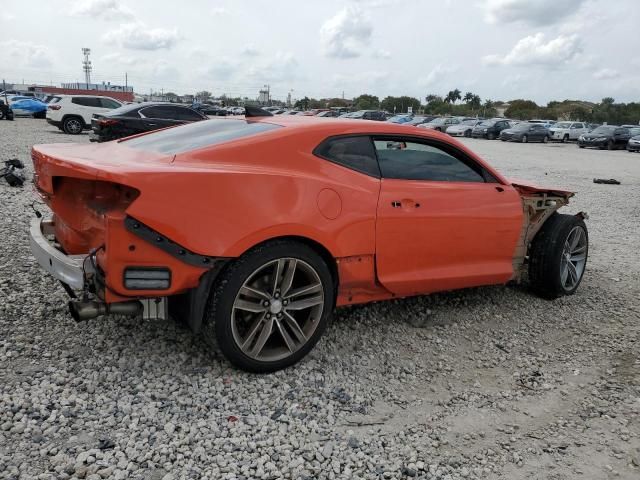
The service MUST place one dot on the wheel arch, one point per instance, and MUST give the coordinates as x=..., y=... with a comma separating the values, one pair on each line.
x=190, y=307
x=73, y=115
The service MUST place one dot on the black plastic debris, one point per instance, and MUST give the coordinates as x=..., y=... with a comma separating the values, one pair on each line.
x=12, y=172
x=610, y=181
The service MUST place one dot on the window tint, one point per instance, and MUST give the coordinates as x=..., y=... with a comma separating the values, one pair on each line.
x=197, y=135
x=408, y=160
x=188, y=114
x=161, y=111
x=87, y=101
x=355, y=153
x=108, y=103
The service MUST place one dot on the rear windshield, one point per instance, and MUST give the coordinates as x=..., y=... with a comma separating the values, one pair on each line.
x=197, y=135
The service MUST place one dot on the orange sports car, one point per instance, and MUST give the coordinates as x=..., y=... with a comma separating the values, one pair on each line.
x=252, y=230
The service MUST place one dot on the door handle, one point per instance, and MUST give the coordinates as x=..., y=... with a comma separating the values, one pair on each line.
x=406, y=203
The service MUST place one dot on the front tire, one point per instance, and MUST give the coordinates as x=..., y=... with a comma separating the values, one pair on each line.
x=270, y=307
x=565, y=139
x=1, y=115
x=525, y=139
x=545, y=139
x=558, y=256
x=491, y=136
x=611, y=145
x=73, y=125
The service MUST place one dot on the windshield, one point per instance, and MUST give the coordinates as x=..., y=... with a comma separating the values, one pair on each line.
x=488, y=123
x=635, y=131
x=563, y=125
x=437, y=121
x=416, y=121
x=469, y=122
x=197, y=135
x=522, y=126
x=605, y=129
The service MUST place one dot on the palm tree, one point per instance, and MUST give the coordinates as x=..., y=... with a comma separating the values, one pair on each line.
x=453, y=96
x=468, y=97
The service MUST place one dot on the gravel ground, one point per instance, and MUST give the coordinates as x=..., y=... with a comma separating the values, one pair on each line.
x=488, y=383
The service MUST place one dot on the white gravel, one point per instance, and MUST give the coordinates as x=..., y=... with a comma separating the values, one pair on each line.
x=488, y=383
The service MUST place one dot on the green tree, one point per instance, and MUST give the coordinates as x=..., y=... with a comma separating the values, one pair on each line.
x=203, y=96
x=400, y=104
x=453, y=96
x=522, y=109
x=366, y=102
x=302, y=104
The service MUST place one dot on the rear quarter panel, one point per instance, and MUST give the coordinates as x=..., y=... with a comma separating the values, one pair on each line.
x=224, y=200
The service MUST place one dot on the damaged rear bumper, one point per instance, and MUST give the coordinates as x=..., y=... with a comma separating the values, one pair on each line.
x=66, y=268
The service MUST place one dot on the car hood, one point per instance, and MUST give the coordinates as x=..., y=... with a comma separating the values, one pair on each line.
x=510, y=131
x=559, y=129
x=524, y=187
x=636, y=138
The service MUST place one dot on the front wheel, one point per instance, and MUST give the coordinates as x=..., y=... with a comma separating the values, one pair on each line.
x=73, y=125
x=565, y=139
x=491, y=136
x=270, y=307
x=525, y=139
x=467, y=134
x=545, y=139
x=1, y=115
x=610, y=145
x=558, y=256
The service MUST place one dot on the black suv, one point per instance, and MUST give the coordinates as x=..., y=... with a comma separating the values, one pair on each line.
x=490, y=129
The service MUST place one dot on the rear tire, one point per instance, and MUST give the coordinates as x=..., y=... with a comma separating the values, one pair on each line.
x=1, y=115
x=73, y=125
x=253, y=301
x=467, y=134
x=558, y=256
x=491, y=136
x=565, y=139
x=610, y=145
x=545, y=139
x=525, y=139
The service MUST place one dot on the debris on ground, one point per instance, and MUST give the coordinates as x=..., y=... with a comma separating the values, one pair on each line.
x=12, y=172
x=607, y=181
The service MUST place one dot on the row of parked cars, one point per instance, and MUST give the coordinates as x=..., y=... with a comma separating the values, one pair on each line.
x=111, y=119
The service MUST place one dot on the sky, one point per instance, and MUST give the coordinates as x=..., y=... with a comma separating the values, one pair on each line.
x=499, y=49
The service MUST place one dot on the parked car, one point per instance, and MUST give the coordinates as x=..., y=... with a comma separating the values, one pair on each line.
x=30, y=107
x=72, y=113
x=5, y=111
x=526, y=132
x=207, y=109
x=490, y=129
x=565, y=131
x=610, y=137
x=634, y=142
x=463, y=129
x=328, y=114
x=419, y=119
x=140, y=117
x=402, y=118
x=198, y=215
x=546, y=123
x=376, y=115
x=440, y=123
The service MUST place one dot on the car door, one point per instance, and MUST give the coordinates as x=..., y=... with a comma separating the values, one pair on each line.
x=159, y=116
x=86, y=107
x=621, y=137
x=443, y=221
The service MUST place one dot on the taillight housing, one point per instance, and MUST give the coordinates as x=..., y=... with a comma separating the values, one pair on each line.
x=107, y=122
x=98, y=196
x=54, y=107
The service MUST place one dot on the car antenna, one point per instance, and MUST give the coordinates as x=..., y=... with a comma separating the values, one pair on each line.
x=256, y=112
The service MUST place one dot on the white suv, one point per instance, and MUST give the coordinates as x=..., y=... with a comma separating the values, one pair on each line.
x=565, y=131
x=72, y=113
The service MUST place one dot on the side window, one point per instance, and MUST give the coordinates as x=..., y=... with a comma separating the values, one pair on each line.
x=168, y=113
x=188, y=114
x=408, y=160
x=87, y=101
x=356, y=153
x=108, y=103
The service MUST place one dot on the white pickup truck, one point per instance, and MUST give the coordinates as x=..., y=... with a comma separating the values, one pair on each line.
x=565, y=131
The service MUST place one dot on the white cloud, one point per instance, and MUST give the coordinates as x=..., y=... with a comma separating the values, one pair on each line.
x=606, y=74
x=15, y=53
x=382, y=54
x=347, y=33
x=534, y=50
x=219, y=11
x=120, y=59
x=250, y=51
x=137, y=36
x=104, y=9
x=534, y=12
x=7, y=16
x=436, y=75
x=222, y=68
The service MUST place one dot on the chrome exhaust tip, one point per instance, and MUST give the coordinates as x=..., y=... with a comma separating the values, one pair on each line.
x=81, y=311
